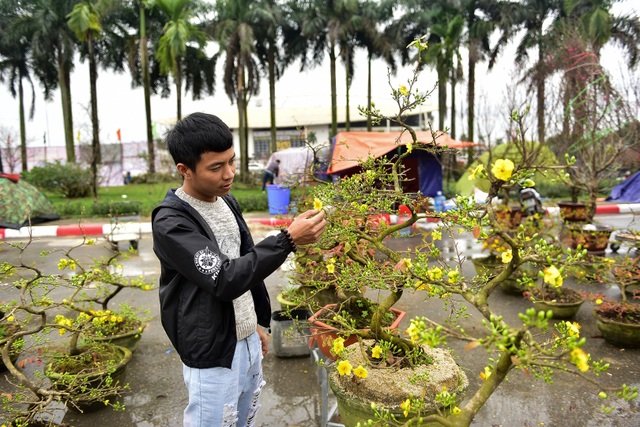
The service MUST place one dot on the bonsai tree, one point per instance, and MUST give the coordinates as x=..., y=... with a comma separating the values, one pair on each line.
x=369, y=263
x=51, y=313
x=598, y=126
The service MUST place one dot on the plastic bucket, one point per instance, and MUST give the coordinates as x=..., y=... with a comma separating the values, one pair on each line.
x=278, y=197
x=290, y=332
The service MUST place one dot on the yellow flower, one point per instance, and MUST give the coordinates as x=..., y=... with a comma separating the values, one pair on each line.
x=11, y=318
x=406, y=262
x=486, y=373
x=338, y=345
x=376, y=352
x=435, y=273
x=502, y=169
x=317, y=204
x=62, y=331
x=409, y=147
x=599, y=301
x=331, y=268
x=473, y=173
x=436, y=235
x=360, y=372
x=580, y=359
x=403, y=90
x=453, y=275
x=573, y=329
x=552, y=276
x=62, y=264
x=413, y=332
x=406, y=407
x=507, y=256
x=344, y=367
x=456, y=410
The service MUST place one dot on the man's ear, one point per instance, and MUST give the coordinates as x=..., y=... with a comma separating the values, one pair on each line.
x=183, y=170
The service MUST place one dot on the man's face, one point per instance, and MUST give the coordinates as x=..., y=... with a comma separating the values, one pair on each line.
x=213, y=175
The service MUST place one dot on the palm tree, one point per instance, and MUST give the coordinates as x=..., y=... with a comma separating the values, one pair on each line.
x=378, y=44
x=531, y=17
x=445, y=38
x=270, y=18
x=234, y=31
x=53, y=48
x=480, y=23
x=172, y=46
x=14, y=62
x=84, y=20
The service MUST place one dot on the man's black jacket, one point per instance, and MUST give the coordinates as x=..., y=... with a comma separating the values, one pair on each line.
x=198, y=283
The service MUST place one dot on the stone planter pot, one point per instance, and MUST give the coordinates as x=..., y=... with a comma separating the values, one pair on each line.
x=573, y=212
x=488, y=266
x=323, y=334
x=129, y=339
x=620, y=334
x=594, y=238
x=388, y=388
x=80, y=385
x=561, y=309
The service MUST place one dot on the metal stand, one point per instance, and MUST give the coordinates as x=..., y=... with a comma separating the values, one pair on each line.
x=323, y=380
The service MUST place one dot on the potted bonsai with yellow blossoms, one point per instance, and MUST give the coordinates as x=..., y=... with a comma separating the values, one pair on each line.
x=410, y=377
x=55, y=313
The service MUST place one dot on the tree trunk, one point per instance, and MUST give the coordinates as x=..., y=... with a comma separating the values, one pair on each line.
x=541, y=94
x=369, y=93
x=272, y=96
x=471, y=100
x=442, y=95
x=144, y=59
x=452, y=132
x=241, y=100
x=334, y=95
x=23, y=129
x=95, y=124
x=347, y=122
x=178, y=79
x=64, y=81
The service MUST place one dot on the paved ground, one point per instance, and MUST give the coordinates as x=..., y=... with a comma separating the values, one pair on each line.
x=293, y=397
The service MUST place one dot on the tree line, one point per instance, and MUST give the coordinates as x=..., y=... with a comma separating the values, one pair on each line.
x=164, y=43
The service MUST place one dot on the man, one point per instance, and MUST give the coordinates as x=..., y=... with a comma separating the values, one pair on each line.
x=213, y=300
x=270, y=173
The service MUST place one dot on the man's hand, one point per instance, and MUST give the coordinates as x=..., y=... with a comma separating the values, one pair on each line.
x=307, y=227
x=264, y=340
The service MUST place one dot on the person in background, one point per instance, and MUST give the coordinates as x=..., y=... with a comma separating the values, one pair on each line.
x=270, y=173
x=214, y=305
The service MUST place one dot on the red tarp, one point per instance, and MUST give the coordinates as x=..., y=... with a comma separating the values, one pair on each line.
x=351, y=148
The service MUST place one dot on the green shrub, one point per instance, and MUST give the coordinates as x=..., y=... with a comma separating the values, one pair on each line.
x=252, y=202
x=70, y=180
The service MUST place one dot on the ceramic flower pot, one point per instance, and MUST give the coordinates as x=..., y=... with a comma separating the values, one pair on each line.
x=82, y=386
x=388, y=388
x=573, y=212
x=323, y=334
x=489, y=265
x=565, y=308
x=129, y=339
x=620, y=334
x=594, y=238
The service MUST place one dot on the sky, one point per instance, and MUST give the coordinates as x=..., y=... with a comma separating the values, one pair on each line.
x=122, y=107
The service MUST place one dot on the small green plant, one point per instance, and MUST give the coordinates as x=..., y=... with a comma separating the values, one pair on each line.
x=69, y=179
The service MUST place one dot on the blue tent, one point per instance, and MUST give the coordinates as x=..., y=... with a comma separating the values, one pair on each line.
x=627, y=191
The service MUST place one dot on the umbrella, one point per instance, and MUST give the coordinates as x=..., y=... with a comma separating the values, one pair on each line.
x=21, y=202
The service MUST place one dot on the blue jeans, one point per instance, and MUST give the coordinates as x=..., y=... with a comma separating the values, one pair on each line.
x=267, y=178
x=226, y=397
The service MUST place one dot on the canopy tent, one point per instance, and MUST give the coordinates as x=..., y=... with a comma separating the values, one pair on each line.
x=295, y=162
x=627, y=191
x=23, y=203
x=423, y=169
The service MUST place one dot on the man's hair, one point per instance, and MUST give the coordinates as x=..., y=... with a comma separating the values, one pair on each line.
x=196, y=134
